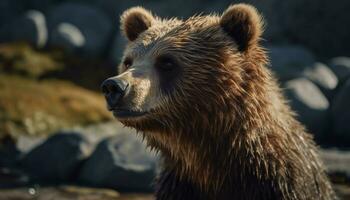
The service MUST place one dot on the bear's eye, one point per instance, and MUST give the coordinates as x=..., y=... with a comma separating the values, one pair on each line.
x=165, y=63
x=127, y=63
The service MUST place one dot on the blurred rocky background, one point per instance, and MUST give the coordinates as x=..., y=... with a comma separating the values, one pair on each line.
x=57, y=140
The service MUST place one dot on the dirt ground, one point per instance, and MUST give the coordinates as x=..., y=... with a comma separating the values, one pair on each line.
x=81, y=193
x=68, y=193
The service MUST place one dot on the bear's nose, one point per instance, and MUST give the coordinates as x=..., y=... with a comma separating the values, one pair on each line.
x=114, y=89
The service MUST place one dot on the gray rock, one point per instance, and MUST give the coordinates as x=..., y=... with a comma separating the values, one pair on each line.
x=27, y=143
x=310, y=105
x=341, y=67
x=93, y=134
x=30, y=27
x=69, y=36
x=9, y=154
x=340, y=113
x=79, y=28
x=11, y=177
x=42, y=5
x=9, y=10
x=289, y=62
x=323, y=77
x=58, y=158
x=120, y=162
x=321, y=27
x=336, y=161
x=114, y=8
x=119, y=44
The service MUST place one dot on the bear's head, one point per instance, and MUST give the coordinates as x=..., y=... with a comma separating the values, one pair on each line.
x=184, y=75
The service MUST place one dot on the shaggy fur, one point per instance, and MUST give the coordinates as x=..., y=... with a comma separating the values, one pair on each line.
x=224, y=129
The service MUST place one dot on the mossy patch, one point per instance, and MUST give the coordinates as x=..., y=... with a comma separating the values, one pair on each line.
x=22, y=59
x=34, y=107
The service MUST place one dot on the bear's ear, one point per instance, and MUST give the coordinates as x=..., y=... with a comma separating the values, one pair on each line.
x=135, y=21
x=243, y=23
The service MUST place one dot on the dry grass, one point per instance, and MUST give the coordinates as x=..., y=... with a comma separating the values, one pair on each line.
x=40, y=107
x=20, y=58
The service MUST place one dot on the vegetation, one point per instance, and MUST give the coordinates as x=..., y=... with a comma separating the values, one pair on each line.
x=33, y=105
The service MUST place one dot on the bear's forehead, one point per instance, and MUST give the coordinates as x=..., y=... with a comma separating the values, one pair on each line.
x=167, y=35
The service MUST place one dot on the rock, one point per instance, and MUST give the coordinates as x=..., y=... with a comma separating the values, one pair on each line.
x=11, y=177
x=60, y=105
x=42, y=5
x=310, y=105
x=25, y=143
x=284, y=24
x=120, y=162
x=323, y=77
x=341, y=67
x=337, y=162
x=71, y=26
x=9, y=154
x=69, y=36
x=288, y=62
x=9, y=10
x=340, y=112
x=119, y=44
x=342, y=190
x=95, y=133
x=58, y=158
x=114, y=8
x=30, y=27
x=316, y=16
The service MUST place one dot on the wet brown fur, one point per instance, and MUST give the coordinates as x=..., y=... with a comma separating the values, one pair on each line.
x=226, y=131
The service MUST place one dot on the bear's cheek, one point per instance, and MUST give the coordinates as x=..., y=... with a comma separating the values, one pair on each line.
x=143, y=94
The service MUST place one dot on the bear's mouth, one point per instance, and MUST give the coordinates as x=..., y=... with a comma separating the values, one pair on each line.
x=125, y=113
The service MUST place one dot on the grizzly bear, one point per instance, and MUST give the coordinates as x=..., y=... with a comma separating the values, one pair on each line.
x=201, y=94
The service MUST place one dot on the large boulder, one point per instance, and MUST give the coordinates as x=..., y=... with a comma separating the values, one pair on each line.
x=9, y=10
x=321, y=27
x=57, y=158
x=289, y=62
x=340, y=112
x=114, y=8
x=30, y=27
x=310, y=104
x=9, y=154
x=80, y=29
x=337, y=163
x=93, y=134
x=10, y=175
x=323, y=77
x=120, y=162
x=341, y=67
x=42, y=5
x=119, y=43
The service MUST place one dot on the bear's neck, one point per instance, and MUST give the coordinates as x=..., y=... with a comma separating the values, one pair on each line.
x=252, y=142
x=259, y=148
x=207, y=155
x=230, y=154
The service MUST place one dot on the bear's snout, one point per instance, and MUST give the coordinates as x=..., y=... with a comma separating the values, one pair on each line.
x=114, y=90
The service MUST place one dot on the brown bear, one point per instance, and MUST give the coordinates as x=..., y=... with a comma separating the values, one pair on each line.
x=200, y=93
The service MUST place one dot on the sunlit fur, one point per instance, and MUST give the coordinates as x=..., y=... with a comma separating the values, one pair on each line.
x=225, y=131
